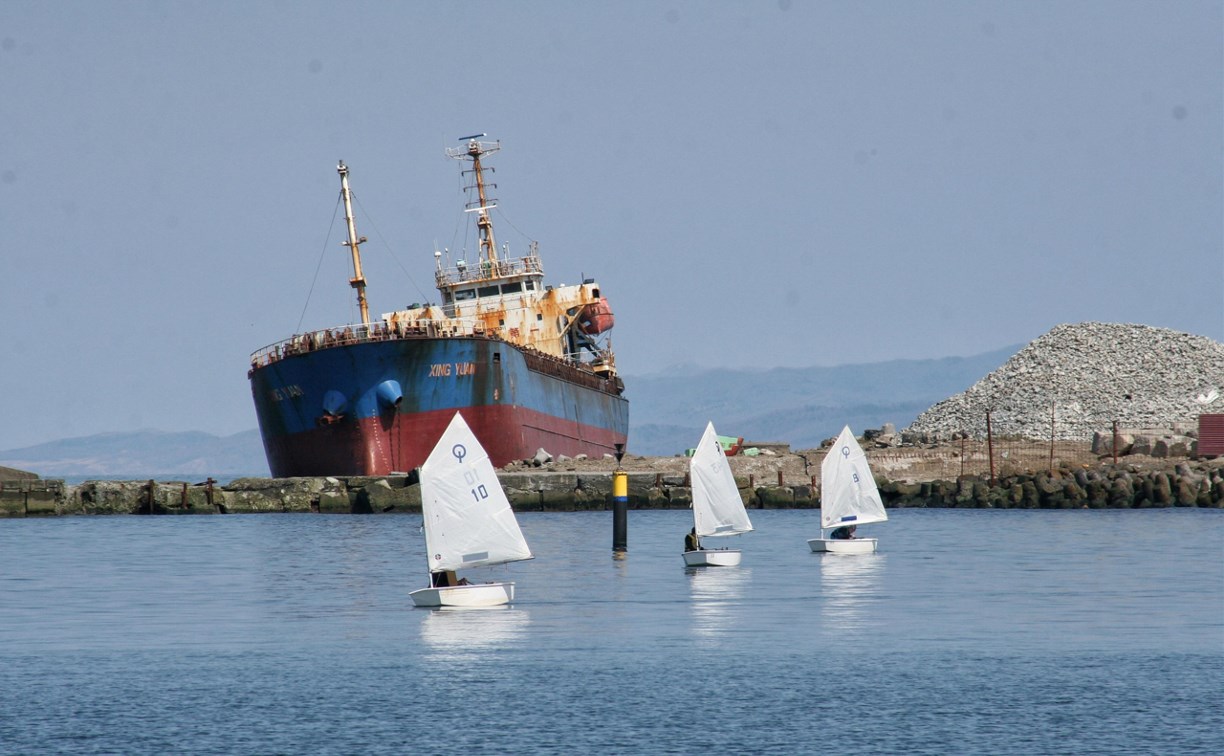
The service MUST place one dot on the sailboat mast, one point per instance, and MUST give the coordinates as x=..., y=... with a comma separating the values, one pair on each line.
x=358, y=281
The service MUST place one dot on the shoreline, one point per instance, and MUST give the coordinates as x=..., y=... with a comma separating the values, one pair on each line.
x=778, y=481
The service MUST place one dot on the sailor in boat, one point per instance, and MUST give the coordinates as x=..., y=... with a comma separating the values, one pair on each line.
x=844, y=533
x=691, y=541
x=446, y=579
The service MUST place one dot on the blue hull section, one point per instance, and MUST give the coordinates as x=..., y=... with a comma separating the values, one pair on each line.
x=378, y=407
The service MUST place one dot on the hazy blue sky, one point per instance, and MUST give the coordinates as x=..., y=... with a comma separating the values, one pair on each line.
x=754, y=184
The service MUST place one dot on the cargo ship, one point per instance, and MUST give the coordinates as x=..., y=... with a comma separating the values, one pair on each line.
x=529, y=365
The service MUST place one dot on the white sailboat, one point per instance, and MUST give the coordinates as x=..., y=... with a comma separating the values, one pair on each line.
x=848, y=497
x=718, y=509
x=468, y=522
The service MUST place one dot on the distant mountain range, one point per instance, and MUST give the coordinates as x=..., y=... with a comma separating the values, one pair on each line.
x=799, y=406
x=188, y=455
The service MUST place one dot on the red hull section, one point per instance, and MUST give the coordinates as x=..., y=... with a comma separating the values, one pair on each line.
x=371, y=447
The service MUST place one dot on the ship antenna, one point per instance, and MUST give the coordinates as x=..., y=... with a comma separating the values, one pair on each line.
x=474, y=152
x=358, y=281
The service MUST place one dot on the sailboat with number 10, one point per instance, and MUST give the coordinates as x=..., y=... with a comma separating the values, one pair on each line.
x=468, y=523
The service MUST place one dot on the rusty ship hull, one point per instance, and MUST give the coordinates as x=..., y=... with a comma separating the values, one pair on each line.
x=378, y=407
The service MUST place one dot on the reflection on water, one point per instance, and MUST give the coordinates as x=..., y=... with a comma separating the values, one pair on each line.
x=454, y=633
x=849, y=583
x=715, y=591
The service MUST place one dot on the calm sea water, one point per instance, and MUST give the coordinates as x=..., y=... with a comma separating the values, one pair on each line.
x=970, y=632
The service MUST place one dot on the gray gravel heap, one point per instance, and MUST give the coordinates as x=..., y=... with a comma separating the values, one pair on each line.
x=1093, y=374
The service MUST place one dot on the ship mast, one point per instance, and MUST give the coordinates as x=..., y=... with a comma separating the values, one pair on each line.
x=475, y=151
x=358, y=281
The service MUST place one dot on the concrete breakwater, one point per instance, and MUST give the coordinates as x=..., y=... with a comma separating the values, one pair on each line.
x=1193, y=483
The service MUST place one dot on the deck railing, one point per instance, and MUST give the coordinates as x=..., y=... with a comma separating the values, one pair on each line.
x=360, y=334
x=484, y=271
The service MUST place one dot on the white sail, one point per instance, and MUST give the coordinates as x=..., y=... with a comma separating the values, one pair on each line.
x=718, y=509
x=848, y=494
x=468, y=520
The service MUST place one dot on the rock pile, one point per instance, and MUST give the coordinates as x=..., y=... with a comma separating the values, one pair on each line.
x=1089, y=375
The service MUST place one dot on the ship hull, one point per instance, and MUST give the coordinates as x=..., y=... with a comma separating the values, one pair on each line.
x=379, y=407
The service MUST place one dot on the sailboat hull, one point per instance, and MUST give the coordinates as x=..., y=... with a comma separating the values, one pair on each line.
x=712, y=558
x=843, y=546
x=474, y=595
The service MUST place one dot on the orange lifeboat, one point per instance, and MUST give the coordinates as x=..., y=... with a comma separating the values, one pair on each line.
x=596, y=317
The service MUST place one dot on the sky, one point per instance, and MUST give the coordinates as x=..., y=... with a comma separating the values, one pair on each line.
x=753, y=184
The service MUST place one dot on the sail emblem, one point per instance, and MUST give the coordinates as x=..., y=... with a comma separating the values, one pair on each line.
x=459, y=451
x=845, y=451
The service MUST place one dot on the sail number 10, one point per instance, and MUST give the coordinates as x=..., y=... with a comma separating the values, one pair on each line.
x=472, y=478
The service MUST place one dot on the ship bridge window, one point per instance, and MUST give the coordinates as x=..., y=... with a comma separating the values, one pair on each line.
x=595, y=293
x=463, y=294
x=529, y=285
x=512, y=288
x=487, y=291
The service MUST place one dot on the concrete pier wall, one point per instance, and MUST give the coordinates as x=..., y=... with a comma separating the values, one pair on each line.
x=1187, y=484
